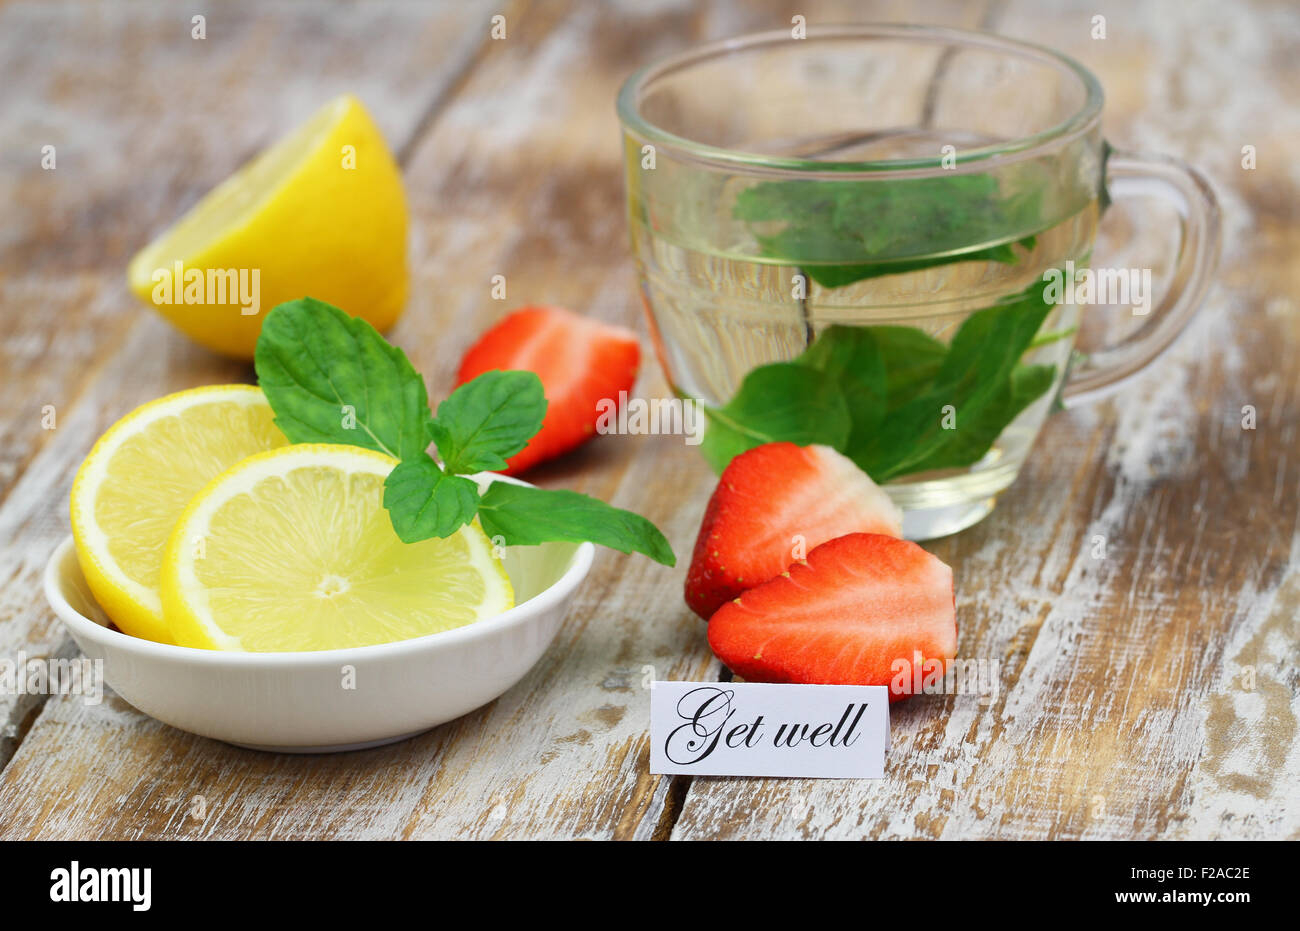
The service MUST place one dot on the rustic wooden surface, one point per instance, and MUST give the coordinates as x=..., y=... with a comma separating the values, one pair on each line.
x=1124, y=709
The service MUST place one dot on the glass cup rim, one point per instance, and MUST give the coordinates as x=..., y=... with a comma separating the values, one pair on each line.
x=1076, y=124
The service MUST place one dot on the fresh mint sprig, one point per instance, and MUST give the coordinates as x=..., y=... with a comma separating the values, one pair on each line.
x=425, y=501
x=526, y=515
x=877, y=393
x=485, y=422
x=781, y=401
x=331, y=378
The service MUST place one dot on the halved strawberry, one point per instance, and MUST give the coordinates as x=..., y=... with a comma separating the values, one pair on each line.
x=863, y=609
x=580, y=361
x=772, y=505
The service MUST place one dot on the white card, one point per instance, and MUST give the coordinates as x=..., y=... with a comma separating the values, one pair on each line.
x=759, y=729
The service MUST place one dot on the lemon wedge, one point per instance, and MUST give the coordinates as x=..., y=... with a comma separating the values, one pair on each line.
x=322, y=213
x=292, y=550
x=138, y=479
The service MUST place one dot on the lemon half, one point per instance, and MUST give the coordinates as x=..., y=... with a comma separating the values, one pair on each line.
x=322, y=213
x=292, y=550
x=138, y=479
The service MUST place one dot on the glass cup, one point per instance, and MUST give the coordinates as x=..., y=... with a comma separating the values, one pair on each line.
x=878, y=237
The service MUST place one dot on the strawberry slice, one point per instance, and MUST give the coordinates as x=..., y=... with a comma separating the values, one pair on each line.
x=863, y=609
x=580, y=362
x=772, y=505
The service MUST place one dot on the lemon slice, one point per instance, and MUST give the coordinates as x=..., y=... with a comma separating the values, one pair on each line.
x=138, y=479
x=322, y=213
x=292, y=550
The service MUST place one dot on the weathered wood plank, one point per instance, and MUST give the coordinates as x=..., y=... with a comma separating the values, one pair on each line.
x=135, y=145
x=144, y=120
x=520, y=176
x=1121, y=710
x=1126, y=705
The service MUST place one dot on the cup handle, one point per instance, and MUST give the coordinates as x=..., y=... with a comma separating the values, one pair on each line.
x=1129, y=174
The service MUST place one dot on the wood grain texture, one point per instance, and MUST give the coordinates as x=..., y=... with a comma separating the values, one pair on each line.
x=1123, y=708
x=135, y=145
x=1127, y=706
x=143, y=121
x=519, y=176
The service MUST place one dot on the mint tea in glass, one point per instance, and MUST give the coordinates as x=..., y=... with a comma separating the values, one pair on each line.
x=860, y=238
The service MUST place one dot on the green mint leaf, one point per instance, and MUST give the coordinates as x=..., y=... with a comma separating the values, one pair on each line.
x=837, y=276
x=331, y=378
x=423, y=501
x=486, y=421
x=990, y=342
x=975, y=379
x=981, y=421
x=912, y=360
x=527, y=516
x=853, y=358
x=839, y=232
x=782, y=401
x=872, y=369
x=895, y=385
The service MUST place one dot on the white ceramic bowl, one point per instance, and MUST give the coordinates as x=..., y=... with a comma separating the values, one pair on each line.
x=300, y=702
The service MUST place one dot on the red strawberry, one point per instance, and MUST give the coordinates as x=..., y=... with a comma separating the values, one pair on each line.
x=772, y=505
x=579, y=360
x=858, y=611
